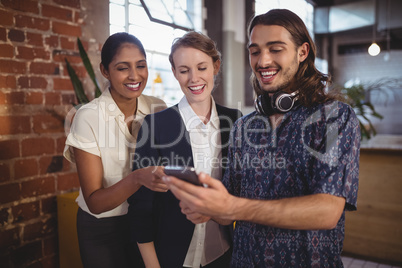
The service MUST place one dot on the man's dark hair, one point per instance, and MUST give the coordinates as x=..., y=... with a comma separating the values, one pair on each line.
x=308, y=80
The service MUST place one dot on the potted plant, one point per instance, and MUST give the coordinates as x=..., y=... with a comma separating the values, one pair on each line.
x=358, y=95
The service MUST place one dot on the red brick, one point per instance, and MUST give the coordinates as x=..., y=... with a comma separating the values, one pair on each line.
x=25, y=212
x=9, y=193
x=9, y=149
x=29, y=53
x=24, y=255
x=52, y=41
x=4, y=172
x=60, y=56
x=38, y=186
x=69, y=3
x=9, y=238
x=23, y=21
x=44, y=68
x=3, y=98
x=57, y=12
x=6, y=51
x=49, y=205
x=40, y=229
x=8, y=81
x=3, y=34
x=17, y=97
x=6, y=18
x=32, y=82
x=50, y=247
x=68, y=43
x=16, y=35
x=66, y=29
x=25, y=168
x=37, y=146
x=60, y=143
x=48, y=123
x=10, y=66
x=62, y=84
x=51, y=164
x=11, y=125
x=51, y=260
x=22, y=5
x=68, y=182
x=34, y=98
x=68, y=99
x=52, y=98
x=4, y=217
x=79, y=70
x=34, y=39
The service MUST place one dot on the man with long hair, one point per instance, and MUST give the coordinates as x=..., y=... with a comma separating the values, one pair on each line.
x=293, y=163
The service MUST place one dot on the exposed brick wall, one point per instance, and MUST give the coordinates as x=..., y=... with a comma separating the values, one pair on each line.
x=35, y=96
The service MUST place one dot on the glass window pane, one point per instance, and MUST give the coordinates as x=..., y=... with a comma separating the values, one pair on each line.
x=137, y=15
x=159, y=10
x=119, y=2
x=116, y=29
x=117, y=15
x=136, y=2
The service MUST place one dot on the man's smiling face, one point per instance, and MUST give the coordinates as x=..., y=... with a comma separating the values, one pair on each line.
x=274, y=57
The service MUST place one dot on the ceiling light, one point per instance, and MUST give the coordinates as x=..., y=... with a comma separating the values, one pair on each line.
x=374, y=49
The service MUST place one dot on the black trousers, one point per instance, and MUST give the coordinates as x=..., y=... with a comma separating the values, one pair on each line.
x=105, y=242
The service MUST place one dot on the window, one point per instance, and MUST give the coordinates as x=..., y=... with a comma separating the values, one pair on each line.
x=157, y=23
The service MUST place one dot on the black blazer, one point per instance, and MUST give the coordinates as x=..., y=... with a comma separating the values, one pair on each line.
x=163, y=140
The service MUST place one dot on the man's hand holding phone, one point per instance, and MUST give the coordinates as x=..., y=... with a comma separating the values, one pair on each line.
x=184, y=173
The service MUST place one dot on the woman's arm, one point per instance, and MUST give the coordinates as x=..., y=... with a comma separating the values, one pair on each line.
x=148, y=254
x=100, y=199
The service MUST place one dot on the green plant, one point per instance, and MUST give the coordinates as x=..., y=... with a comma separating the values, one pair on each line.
x=77, y=84
x=355, y=96
x=358, y=95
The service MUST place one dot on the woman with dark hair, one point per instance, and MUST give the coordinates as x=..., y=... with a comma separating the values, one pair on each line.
x=102, y=135
x=194, y=132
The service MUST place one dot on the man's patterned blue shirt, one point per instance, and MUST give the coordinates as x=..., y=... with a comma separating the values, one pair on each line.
x=313, y=150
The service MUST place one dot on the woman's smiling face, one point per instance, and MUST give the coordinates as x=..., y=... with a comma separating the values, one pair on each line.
x=195, y=71
x=128, y=72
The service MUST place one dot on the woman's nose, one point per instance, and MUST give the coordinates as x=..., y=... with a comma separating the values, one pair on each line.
x=133, y=74
x=194, y=76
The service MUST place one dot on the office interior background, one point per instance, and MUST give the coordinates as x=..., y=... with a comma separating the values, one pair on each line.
x=38, y=186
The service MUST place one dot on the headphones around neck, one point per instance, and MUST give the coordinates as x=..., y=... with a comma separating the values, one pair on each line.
x=280, y=102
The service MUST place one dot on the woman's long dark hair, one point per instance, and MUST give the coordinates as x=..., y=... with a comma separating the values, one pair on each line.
x=308, y=80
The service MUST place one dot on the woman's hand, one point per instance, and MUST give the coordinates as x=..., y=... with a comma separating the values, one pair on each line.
x=151, y=177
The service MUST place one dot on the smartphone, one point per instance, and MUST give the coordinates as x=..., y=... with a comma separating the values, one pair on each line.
x=184, y=173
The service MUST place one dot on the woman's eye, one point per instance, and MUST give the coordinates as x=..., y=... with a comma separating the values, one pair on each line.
x=122, y=68
x=142, y=66
x=202, y=68
x=183, y=71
